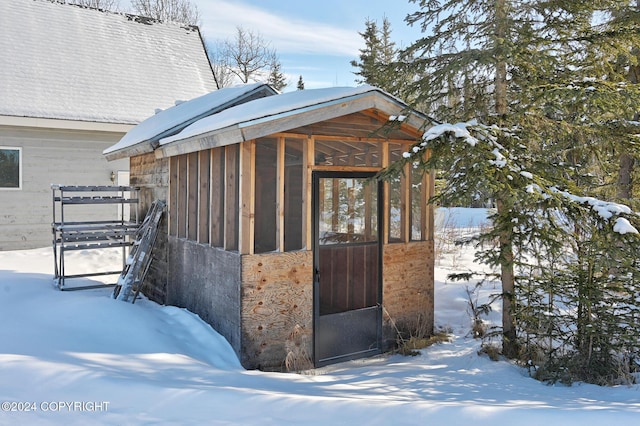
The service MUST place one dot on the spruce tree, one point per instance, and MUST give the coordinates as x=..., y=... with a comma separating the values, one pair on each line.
x=300, y=85
x=367, y=66
x=547, y=78
x=379, y=64
x=276, y=78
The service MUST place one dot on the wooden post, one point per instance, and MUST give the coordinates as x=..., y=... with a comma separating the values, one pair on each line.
x=384, y=160
x=307, y=226
x=280, y=178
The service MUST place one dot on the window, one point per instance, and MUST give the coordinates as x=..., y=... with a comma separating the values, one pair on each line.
x=10, y=168
x=408, y=201
x=395, y=196
x=293, y=194
x=346, y=153
x=418, y=204
x=266, y=195
x=278, y=194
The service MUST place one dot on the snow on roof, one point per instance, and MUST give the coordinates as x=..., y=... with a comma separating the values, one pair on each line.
x=182, y=114
x=69, y=62
x=268, y=108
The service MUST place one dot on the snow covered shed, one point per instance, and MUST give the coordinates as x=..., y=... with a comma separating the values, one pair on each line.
x=276, y=235
x=73, y=81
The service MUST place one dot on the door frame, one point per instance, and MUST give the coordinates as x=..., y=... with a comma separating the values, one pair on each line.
x=315, y=180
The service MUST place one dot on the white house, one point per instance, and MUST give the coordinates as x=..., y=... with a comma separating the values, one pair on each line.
x=73, y=81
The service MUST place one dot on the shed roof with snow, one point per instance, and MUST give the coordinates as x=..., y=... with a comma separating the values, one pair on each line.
x=245, y=112
x=75, y=63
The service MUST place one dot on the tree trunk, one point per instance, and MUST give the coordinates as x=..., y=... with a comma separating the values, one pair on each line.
x=507, y=276
x=625, y=182
x=500, y=55
x=627, y=162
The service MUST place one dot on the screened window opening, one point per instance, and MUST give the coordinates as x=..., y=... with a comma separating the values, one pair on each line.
x=418, y=204
x=266, y=195
x=344, y=153
x=395, y=196
x=408, y=201
x=293, y=194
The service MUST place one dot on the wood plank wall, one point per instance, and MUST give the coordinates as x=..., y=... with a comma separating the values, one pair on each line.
x=152, y=176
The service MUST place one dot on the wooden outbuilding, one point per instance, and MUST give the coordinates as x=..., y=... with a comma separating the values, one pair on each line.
x=276, y=233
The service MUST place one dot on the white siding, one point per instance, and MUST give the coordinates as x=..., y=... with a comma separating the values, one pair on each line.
x=50, y=156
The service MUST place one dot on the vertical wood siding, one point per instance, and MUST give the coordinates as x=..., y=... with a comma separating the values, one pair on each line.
x=152, y=176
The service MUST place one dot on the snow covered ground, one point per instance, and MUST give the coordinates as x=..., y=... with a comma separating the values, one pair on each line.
x=81, y=358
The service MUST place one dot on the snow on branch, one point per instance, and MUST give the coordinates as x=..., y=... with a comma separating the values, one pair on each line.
x=500, y=158
x=605, y=209
x=459, y=130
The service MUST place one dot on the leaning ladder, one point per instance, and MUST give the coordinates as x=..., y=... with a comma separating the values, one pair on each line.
x=139, y=260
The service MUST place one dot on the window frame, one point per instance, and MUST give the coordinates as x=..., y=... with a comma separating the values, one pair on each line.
x=19, y=149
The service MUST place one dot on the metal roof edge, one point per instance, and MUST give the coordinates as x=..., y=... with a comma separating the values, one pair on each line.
x=63, y=124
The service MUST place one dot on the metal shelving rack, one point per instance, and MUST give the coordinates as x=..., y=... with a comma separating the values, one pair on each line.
x=91, y=234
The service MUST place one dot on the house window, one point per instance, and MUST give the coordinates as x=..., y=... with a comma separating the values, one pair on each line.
x=10, y=168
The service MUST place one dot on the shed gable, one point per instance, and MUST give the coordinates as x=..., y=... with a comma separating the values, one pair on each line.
x=367, y=124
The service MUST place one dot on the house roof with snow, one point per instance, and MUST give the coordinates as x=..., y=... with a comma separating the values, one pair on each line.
x=256, y=118
x=69, y=62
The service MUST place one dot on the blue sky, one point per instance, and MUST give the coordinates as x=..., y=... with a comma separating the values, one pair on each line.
x=314, y=38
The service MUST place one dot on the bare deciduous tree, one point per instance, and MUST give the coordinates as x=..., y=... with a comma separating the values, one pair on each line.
x=220, y=65
x=246, y=57
x=182, y=11
x=113, y=5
